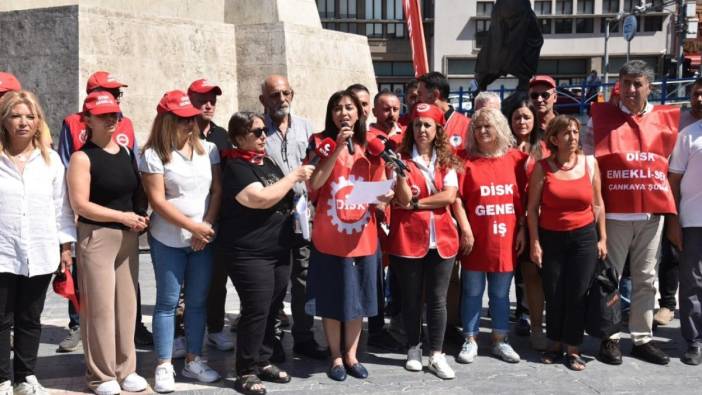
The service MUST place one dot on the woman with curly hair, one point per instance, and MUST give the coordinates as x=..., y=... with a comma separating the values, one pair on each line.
x=423, y=240
x=491, y=194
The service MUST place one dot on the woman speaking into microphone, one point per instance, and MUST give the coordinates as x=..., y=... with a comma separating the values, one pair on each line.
x=423, y=239
x=341, y=282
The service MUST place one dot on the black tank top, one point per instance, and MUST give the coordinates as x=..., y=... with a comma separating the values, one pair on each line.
x=113, y=181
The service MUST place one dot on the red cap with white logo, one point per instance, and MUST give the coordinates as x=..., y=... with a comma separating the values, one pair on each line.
x=9, y=83
x=98, y=103
x=424, y=110
x=178, y=103
x=103, y=79
x=204, y=86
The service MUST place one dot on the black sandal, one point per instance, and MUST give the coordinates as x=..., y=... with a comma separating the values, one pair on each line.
x=273, y=373
x=575, y=362
x=245, y=384
x=551, y=357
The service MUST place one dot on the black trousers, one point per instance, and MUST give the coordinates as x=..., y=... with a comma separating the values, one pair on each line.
x=568, y=264
x=261, y=284
x=217, y=297
x=691, y=286
x=668, y=275
x=21, y=303
x=419, y=278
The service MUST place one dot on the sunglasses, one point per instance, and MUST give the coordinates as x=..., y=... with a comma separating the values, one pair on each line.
x=543, y=95
x=258, y=132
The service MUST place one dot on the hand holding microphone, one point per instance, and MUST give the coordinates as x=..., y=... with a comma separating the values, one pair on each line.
x=389, y=147
x=377, y=148
x=323, y=151
x=345, y=129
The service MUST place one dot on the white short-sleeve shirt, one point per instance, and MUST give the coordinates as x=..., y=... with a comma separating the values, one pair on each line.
x=187, y=186
x=687, y=160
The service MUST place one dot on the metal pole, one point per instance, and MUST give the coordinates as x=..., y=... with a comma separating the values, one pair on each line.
x=606, y=56
x=681, y=29
x=628, y=50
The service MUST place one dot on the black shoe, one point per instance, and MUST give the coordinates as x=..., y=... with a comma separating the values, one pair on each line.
x=610, y=352
x=142, y=336
x=693, y=355
x=278, y=352
x=337, y=372
x=384, y=340
x=523, y=328
x=650, y=352
x=357, y=370
x=311, y=349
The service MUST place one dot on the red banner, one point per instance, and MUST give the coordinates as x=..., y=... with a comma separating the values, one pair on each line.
x=415, y=29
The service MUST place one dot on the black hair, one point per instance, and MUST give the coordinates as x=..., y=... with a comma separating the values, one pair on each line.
x=435, y=80
x=359, y=129
x=384, y=92
x=357, y=88
x=240, y=123
x=411, y=84
x=535, y=134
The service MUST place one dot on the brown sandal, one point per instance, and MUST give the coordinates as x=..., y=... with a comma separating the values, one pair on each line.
x=246, y=383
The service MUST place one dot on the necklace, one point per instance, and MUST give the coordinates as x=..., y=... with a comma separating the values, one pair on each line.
x=563, y=166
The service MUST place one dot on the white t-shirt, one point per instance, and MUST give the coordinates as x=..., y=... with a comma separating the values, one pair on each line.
x=427, y=169
x=187, y=186
x=687, y=160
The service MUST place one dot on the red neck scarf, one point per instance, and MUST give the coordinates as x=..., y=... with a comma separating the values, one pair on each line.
x=249, y=156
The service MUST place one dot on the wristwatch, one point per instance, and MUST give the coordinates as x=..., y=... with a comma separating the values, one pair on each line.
x=415, y=203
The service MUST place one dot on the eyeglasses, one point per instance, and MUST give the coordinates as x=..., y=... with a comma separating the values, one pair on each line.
x=543, y=95
x=258, y=132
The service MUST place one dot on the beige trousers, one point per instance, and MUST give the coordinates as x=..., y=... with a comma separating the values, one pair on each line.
x=108, y=270
x=641, y=241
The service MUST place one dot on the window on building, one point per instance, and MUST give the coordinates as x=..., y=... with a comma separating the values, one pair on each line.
x=555, y=67
x=484, y=8
x=610, y=6
x=481, y=31
x=563, y=26
x=542, y=7
x=656, y=5
x=545, y=25
x=630, y=4
x=613, y=26
x=393, y=10
x=564, y=7
x=390, y=69
x=374, y=10
x=460, y=66
x=653, y=23
x=584, y=25
x=586, y=6
x=347, y=9
x=326, y=8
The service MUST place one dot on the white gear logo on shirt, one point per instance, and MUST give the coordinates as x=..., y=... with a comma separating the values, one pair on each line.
x=455, y=140
x=341, y=226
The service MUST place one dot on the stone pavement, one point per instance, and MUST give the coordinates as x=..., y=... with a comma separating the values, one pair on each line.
x=63, y=373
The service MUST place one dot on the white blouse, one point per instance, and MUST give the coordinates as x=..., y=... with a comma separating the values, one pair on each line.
x=35, y=215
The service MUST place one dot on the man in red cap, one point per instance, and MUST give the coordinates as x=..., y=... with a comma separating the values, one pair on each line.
x=203, y=95
x=433, y=88
x=72, y=138
x=542, y=95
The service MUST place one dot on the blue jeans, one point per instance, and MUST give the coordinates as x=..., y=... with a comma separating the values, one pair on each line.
x=473, y=284
x=172, y=267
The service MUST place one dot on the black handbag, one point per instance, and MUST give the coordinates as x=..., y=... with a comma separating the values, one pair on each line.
x=603, y=316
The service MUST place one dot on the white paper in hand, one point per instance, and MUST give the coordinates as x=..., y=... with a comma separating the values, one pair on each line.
x=367, y=192
x=303, y=215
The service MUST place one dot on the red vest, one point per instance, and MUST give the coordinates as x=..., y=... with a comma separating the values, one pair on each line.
x=409, y=230
x=340, y=229
x=124, y=134
x=633, y=152
x=457, y=131
x=491, y=195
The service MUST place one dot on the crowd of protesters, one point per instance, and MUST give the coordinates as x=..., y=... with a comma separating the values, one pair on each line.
x=515, y=193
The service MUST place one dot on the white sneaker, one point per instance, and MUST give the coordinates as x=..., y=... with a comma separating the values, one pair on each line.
x=438, y=365
x=221, y=340
x=197, y=369
x=164, y=378
x=108, y=388
x=179, y=346
x=505, y=352
x=414, y=358
x=30, y=386
x=134, y=383
x=6, y=387
x=468, y=352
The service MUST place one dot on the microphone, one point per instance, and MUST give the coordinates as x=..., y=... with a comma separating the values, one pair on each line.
x=377, y=148
x=325, y=148
x=390, y=147
x=349, y=141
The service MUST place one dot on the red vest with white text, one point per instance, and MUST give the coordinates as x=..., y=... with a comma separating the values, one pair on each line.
x=456, y=129
x=632, y=152
x=491, y=194
x=124, y=133
x=341, y=229
x=409, y=229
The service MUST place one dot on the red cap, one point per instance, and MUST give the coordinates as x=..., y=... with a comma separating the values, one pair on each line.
x=100, y=102
x=9, y=83
x=178, y=103
x=423, y=110
x=63, y=285
x=542, y=79
x=103, y=79
x=204, y=86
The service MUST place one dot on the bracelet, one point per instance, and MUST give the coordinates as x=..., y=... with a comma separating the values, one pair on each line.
x=415, y=204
